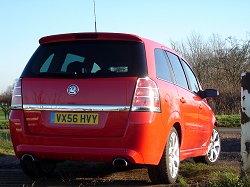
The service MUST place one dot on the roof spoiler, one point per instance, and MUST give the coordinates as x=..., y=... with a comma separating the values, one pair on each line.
x=89, y=36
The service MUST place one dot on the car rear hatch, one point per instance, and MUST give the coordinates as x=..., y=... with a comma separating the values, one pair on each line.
x=82, y=84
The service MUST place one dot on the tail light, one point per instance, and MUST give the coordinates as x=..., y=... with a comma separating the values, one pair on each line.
x=146, y=96
x=16, y=101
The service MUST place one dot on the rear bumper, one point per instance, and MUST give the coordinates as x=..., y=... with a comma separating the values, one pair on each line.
x=79, y=153
x=143, y=142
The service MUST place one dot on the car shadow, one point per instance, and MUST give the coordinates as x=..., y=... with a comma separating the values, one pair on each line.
x=74, y=173
x=79, y=173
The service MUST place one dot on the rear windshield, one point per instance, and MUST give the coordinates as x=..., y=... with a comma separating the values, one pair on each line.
x=82, y=59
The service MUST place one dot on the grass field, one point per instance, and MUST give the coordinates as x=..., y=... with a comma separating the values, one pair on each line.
x=5, y=143
x=4, y=124
x=1, y=115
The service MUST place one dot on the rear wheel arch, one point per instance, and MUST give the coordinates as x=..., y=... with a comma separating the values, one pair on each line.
x=174, y=120
x=177, y=126
x=214, y=121
x=167, y=169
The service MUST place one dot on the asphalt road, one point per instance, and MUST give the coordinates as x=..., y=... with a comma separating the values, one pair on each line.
x=230, y=143
x=229, y=130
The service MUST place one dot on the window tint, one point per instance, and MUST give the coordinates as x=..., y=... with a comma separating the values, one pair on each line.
x=162, y=66
x=178, y=70
x=71, y=58
x=88, y=59
x=194, y=85
x=47, y=63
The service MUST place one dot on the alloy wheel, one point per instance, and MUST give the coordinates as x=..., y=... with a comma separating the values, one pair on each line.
x=174, y=158
x=214, y=147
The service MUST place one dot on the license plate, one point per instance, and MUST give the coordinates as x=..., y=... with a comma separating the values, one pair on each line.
x=74, y=118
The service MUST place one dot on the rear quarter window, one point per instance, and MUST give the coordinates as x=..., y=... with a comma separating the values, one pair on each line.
x=88, y=59
x=163, y=68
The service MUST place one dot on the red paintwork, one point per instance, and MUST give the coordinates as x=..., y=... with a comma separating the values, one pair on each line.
x=139, y=137
x=92, y=92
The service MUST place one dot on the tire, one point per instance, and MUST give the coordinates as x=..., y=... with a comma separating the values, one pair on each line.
x=166, y=171
x=214, y=149
x=36, y=169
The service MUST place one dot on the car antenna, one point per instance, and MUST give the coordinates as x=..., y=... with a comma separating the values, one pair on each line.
x=95, y=16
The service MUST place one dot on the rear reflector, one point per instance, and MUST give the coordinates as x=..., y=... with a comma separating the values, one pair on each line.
x=16, y=102
x=146, y=96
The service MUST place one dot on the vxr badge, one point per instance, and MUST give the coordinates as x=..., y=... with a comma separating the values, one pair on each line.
x=73, y=89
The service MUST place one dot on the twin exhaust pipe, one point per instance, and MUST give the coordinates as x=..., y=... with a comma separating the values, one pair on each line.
x=28, y=157
x=117, y=162
x=120, y=162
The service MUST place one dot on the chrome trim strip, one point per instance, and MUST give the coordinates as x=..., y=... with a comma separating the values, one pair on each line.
x=100, y=108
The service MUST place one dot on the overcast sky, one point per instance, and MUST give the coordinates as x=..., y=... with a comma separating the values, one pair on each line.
x=23, y=22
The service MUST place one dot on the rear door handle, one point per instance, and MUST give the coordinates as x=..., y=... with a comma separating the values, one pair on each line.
x=183, y=100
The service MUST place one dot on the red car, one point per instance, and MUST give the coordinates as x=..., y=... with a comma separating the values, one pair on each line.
x=111, y=97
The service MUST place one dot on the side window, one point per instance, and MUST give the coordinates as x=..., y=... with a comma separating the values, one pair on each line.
x=162, y=66
x=178, y=70
x=193, y=83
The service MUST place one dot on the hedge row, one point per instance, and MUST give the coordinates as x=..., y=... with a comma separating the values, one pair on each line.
x=228, y=120
x=223, y=120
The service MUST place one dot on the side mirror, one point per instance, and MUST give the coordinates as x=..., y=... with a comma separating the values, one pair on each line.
x=208, y=93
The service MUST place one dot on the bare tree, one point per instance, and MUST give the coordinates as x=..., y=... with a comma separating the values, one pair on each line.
x=5, y=101
x=218, y=63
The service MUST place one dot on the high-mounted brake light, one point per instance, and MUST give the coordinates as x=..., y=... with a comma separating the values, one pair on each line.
x=16, y=101
x=146, y=96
